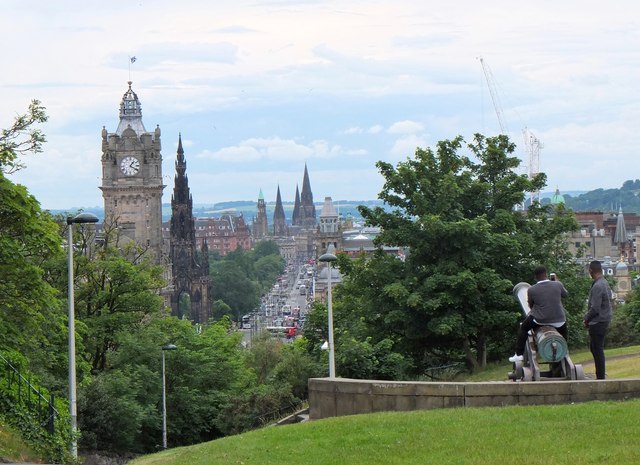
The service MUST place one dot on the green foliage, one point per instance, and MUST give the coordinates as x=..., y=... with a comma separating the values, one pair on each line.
x=264, y=355
x=32, y=320
x=22, y=137
x=241, y=277
x=255, y=407
x=265, y=248
x=231, y=284
x=113, y=295
x=206, y=376
x=358, y=355
x=607, y=199
x=23, y=408
x=295, y=367
x=625, y=327
x=466, y=245
x=111, y=417
x=13, y=448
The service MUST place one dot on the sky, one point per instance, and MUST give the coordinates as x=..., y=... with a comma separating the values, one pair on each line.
x=258, y=89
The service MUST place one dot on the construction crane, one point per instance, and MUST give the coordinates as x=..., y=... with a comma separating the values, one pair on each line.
x=494, y=96
x=532, y=144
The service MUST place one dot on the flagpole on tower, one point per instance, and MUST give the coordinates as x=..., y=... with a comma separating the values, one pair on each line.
x=132, y=60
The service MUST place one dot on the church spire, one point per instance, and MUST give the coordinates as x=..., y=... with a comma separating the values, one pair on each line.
x=279, y=228
x=620, y=237
x=130, y=113
x=295, y=218
x=307, y=214
x=181, y=193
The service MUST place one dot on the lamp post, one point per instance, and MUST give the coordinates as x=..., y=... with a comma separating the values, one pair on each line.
x=164, y=397
x=81, y=218
x=329, y=258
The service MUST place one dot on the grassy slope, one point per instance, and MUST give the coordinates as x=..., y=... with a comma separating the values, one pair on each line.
x=13, y=448
x=597, y=432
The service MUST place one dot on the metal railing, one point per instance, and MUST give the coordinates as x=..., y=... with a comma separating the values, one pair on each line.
x=444, y=371
x=28, y=395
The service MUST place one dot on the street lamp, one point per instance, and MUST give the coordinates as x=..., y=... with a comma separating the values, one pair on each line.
x=329, y=258
x=164, y=397
x=81, y=218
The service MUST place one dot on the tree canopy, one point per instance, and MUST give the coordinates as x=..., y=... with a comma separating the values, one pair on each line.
x=24, y=136
x=466, y=244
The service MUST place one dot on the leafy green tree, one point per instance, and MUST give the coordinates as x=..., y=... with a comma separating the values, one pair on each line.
x=203, y=375
x=467, y=244
x=28, y=238
x=267, y=269
x=32, y=319
x=230, y=283
x=22, y=137
x=295, y=367
x=116, y=289
x=265, y=248
x=358, y=355
x=264, y=355
x=626, y=320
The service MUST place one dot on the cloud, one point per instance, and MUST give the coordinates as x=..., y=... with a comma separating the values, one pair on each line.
x=354, y=184
x=375, y=129
x=405, y=127
x=171, y=53
x=406, y=146
x=237, y=29
x=277, y=149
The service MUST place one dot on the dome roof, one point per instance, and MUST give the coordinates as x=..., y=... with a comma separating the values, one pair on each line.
x=557, y=198
x=621, y=266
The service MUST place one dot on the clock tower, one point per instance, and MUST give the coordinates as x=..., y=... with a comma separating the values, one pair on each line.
x=132, y=178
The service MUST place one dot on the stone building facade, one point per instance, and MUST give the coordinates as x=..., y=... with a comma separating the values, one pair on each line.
x=132, y=178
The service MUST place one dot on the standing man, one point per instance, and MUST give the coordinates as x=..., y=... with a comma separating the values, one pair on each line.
x=545, y=301
x=598, y=316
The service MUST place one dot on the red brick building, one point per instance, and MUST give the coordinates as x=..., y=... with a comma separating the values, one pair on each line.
x=223, y=235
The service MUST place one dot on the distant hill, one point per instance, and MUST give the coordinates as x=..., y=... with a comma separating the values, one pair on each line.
x=248, y=208
x=605, y=200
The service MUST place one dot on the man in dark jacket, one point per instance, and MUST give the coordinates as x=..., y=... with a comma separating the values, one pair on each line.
x=598, y=316
x=545, y=301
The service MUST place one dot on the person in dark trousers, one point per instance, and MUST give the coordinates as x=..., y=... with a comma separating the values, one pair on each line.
x=598, y=316
x=545, y=301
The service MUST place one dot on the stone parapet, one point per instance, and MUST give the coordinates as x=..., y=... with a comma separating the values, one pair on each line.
x=341, y=396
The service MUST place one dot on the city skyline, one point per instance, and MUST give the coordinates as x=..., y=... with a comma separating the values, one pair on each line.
x=259, y=88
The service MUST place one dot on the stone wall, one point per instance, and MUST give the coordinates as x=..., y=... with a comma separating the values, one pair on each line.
x=340, y=396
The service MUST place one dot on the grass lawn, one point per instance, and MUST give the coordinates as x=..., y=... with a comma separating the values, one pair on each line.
x=576, y=434
x=13, y=448
x=597, y=432
x=622, y=362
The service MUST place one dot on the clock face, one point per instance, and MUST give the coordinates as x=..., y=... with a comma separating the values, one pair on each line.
x=130, y=166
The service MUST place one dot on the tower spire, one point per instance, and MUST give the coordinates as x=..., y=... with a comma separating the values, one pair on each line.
x=181, y=191
x=279, y=227
x=130, y=113
x=307, y=215
x=295, y=218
